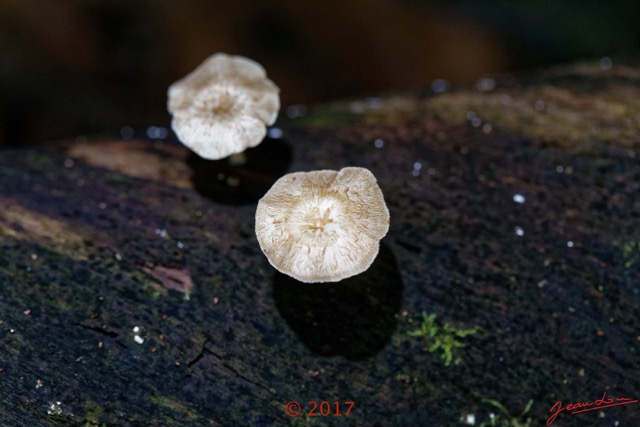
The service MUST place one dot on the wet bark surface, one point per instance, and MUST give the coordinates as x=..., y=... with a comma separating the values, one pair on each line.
x=134, y=292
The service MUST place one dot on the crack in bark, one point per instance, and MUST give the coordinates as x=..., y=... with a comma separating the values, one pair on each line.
x=220, y=359
x=198, y=356
x=98, y=329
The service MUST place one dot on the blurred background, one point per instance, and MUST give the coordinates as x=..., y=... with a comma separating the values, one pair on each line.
x=92, y=67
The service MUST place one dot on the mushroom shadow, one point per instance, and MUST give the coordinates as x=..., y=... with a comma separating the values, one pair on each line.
x=353, y=318
x=224, y=182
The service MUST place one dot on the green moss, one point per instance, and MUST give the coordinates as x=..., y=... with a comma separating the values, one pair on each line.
x=174, y=405
x=149, y=284
x=333, y=117
x=308, y=421
x=630, y=253
x=92, y=413
x=505, y=419
x=443, y=339
x=550, y=115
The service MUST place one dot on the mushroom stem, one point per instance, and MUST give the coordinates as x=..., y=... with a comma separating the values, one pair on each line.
x=237, y=159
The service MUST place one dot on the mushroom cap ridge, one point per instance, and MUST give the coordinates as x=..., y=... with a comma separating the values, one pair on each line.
x=322, y=226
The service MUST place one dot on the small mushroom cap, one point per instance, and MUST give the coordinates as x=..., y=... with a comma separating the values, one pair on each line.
x=322, y=226
x=223, y=106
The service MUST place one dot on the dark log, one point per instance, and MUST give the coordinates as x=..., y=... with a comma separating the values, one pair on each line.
x=134, y=292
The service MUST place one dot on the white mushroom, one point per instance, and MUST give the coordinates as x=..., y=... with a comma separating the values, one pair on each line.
x=223, y=106
x=322, y=226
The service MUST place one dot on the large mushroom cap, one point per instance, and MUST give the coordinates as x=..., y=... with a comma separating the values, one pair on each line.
x=322, y=226
x=223, y=106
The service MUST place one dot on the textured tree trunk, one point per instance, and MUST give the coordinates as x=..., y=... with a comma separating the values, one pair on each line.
x=134, y=293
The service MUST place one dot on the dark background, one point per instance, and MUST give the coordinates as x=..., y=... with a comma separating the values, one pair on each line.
x=91, y=67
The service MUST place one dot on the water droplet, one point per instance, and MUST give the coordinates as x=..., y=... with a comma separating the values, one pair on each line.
x=570, y=244
x=357, y=107
x=136, y=329
x=378, y=143
x=470, y=115
x=417, y=166
x=476, y=122
x=295, y=111
x=486, y=84
x=559, y=168
x=126, y=132
x=519, y=231
x=487, y=128
x=519, y=198
x=274, y=133
x=68, y=163
x=54, y=409
x=440, y=85
x=373, y=102
x=606, y=63
x=138, y=339
x=505, y=99
x=180, y=245
x=161, y=232
x=156, y=132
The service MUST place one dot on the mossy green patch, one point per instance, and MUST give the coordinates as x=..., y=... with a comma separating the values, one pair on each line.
x=630, y=254
x=326, y=117
x=505, y=419
x=443, y=339
x=550, y=115
x=174, y=405
x=92, y=413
